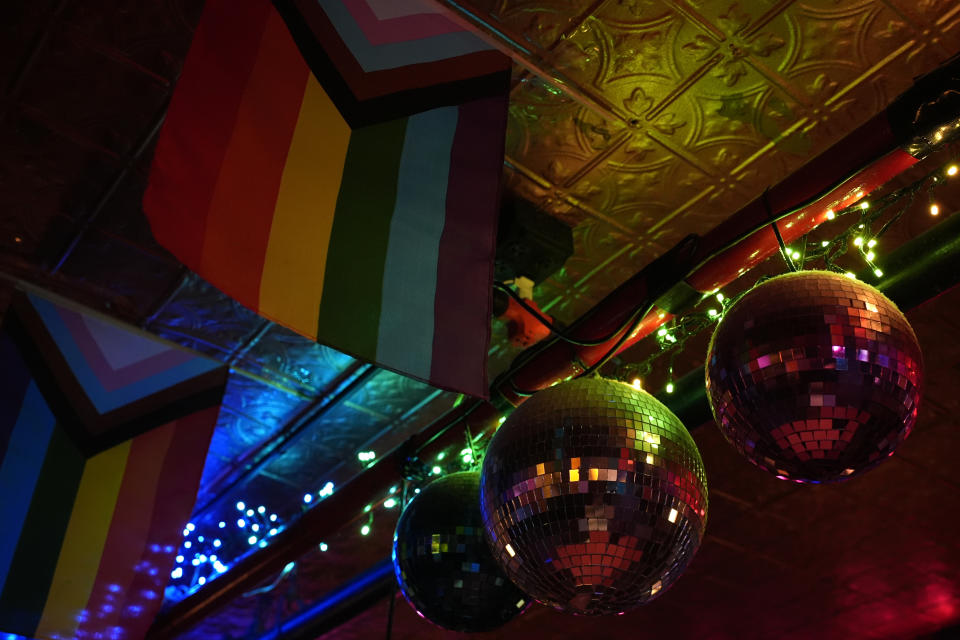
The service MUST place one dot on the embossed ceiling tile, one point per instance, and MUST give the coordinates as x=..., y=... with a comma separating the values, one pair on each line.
x=549, y=139
x=107, y=102
x=294, y=360
x=631, y=14
x=933, y=17
x=261, y=404
x=22, y=22
x=199, y=316
x=540, y=23
x=43, y=181
x=155, y=35
x=388, y=394
x=141, y=279
x=231, y=438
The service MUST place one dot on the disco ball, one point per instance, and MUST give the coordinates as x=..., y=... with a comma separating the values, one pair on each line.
x=814, y=377
x=594, y=497
x=443, y=564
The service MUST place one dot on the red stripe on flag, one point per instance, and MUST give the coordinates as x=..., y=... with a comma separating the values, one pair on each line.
x=199, y=124
x=238, y=223
x=129, y=531
x=173, y=504
x=467, y=245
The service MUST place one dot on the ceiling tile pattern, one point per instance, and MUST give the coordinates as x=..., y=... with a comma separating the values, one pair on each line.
x=664, y=117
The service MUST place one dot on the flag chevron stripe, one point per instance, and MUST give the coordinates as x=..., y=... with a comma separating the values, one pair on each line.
x=41, y=536
x=12, y=392
x=83, y=542
x=235, y=242
x=349, y=313
x=405, y=340
x=104, y=400
x=396, y=54
x=295, y=264
x=413, y=26
x=367, y=98
x=20, y=468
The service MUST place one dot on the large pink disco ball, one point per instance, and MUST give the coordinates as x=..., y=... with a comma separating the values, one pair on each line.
x=814, y=377
x=593, y=496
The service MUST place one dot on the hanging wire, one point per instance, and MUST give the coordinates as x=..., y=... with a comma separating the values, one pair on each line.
x=776, y=231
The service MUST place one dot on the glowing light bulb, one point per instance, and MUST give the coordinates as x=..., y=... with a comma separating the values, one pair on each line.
x=795, y=255
x=249, y=513
x=176, y=573
x=952, y=170
x=179, y=559
x=187, y=544
x=864, y=205
x=858, y=241
x=878, y=273
x=871, y=255
x=261, y=509
x=222, y=525
x=367, y=508
x=307, y=498
x=637, y=383
x=830, y=214
x=323, y=546
x=241, y=523
x=712, y=313
x=217, y=543
x=241, y=506
x=934, y=210
x=825, y=243
x=850, y=275
x=273, y=517
x=720, y=297
x=669, y=387
x=872, y=243
x=254, y=527
x=389, y=503
x=437, y=470
x=365, y=530
x=252, y=540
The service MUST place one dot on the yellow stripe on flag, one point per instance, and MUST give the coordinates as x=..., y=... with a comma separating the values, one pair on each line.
x=293, y=272
x=83, y=543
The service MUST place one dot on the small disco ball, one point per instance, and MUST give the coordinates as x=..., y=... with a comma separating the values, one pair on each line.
x=442, y=561
x=814, y=377
x=594, y=497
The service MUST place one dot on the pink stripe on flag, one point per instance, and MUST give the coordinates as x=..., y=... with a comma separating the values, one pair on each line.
x=400, y=29
x=112, y=379
x=467, y=245
x=129, y=531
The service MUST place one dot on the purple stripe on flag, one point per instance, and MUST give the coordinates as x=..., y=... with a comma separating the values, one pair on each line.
x=465, y=270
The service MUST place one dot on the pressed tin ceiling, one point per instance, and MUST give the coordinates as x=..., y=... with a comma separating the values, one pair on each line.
x=655, y=119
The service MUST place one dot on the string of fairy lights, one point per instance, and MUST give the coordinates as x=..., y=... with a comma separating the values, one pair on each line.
x=205, y=555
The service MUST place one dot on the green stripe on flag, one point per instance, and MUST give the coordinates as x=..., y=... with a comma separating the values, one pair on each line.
x=35, y=560
x=349, y=313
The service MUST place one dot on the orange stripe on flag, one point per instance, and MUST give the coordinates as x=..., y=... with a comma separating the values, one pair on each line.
x=241, y=210
x=293, y=270
x=83, y=543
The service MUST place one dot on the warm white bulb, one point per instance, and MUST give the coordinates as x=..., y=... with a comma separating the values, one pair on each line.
x=878, y=273
x=872, y=243
x=952, y=170
x=830, y=214
x=934, y=210
x=858, y=241
x=871, y=255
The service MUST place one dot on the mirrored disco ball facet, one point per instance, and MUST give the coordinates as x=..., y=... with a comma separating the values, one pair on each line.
x=594, y=497
x=814, y=377
x=442, y=561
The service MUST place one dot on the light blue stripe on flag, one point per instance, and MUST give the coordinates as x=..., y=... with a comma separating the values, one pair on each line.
x=397, y=54
x=405, y=337
x=20, y=469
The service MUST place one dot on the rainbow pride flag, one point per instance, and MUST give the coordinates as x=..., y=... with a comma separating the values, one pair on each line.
x=335, y=166
x=103, y=434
